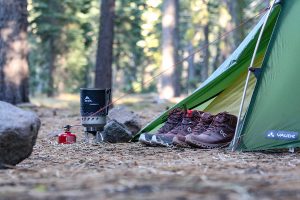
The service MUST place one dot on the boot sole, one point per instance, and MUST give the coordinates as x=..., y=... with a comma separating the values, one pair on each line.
x=179, y=143
x=143, y=140
x=202, y=145
x=159, y=143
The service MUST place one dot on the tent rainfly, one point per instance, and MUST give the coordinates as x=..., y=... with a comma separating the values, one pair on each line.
x=271, y=115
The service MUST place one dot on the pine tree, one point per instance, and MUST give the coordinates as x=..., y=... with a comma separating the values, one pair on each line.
x=13, y=51
x=105, y=45
x=169, y=80
x=61, y=35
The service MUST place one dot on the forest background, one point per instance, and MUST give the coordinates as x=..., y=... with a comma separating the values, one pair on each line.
x=134, y=46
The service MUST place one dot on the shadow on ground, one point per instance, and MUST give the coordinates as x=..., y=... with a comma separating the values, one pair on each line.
x=132, y=171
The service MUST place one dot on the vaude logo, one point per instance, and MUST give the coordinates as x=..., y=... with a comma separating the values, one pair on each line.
x=282, y=135
x=271, y=135
x=87, y=100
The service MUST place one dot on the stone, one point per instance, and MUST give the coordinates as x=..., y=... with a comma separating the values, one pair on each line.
x=124, y=116
x=18, y=133
x=115, y=132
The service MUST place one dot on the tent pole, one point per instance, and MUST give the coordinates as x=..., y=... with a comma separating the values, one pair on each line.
x=235, y=139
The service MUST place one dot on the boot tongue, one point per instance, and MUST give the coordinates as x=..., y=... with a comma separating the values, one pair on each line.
x=175, y=115
x=176, y=111
x=187, y=117
x=189, y=113
x=206, y=117
x=220, y=118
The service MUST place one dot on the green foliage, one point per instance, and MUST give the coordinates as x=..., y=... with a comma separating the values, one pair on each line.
x=63, y=40
x=133, y=43
x=61, y=35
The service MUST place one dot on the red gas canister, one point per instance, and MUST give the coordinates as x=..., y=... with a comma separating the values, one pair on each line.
x=67, y=137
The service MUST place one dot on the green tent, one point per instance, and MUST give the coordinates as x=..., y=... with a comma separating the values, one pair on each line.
x=272, y=115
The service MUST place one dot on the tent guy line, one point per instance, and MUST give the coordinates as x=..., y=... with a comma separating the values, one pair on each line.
x=184, y=59
x=187, y=57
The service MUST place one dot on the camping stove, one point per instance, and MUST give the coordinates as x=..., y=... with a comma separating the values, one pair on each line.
x=94, y=104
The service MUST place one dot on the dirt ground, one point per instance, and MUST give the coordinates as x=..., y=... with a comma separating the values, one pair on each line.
x=132, y=171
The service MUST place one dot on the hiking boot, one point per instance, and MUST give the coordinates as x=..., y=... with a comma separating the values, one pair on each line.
x=174, y=119
x=189, y=121
x=203, y=124
x=145, y=138
x=219, y=133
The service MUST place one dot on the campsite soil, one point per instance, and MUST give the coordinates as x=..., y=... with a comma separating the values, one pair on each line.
x=133, y=171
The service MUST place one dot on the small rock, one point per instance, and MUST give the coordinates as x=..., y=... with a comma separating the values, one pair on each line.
x=18, y=133
x=115, y=132
x=124, y=116
x=26, y=106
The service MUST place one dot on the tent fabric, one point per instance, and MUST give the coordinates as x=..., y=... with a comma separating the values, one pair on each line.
x=273, y=117
x=231, y=97
x=227, y=78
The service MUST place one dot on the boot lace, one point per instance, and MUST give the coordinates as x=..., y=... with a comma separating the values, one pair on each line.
x=200, y=127
x=174, y=118
x=181, y=129
x=217, y=127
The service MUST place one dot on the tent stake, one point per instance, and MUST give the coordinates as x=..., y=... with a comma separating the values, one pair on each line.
x=235, y=139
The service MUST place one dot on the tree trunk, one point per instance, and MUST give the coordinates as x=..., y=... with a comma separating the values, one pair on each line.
x=170, y=79
x=143, y=73
x=191, y=67
x=236, y=9
x=178, y=67
x=216, y=61
x=227, y=44
x=14, y=86
x=51, y=67
x=204, y=69
x=103, y=77
x=52, y=41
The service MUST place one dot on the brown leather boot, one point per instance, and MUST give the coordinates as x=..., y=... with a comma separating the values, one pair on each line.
x=174, y=119
x=219, y=133
x=189, y=121
x=205, y=120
